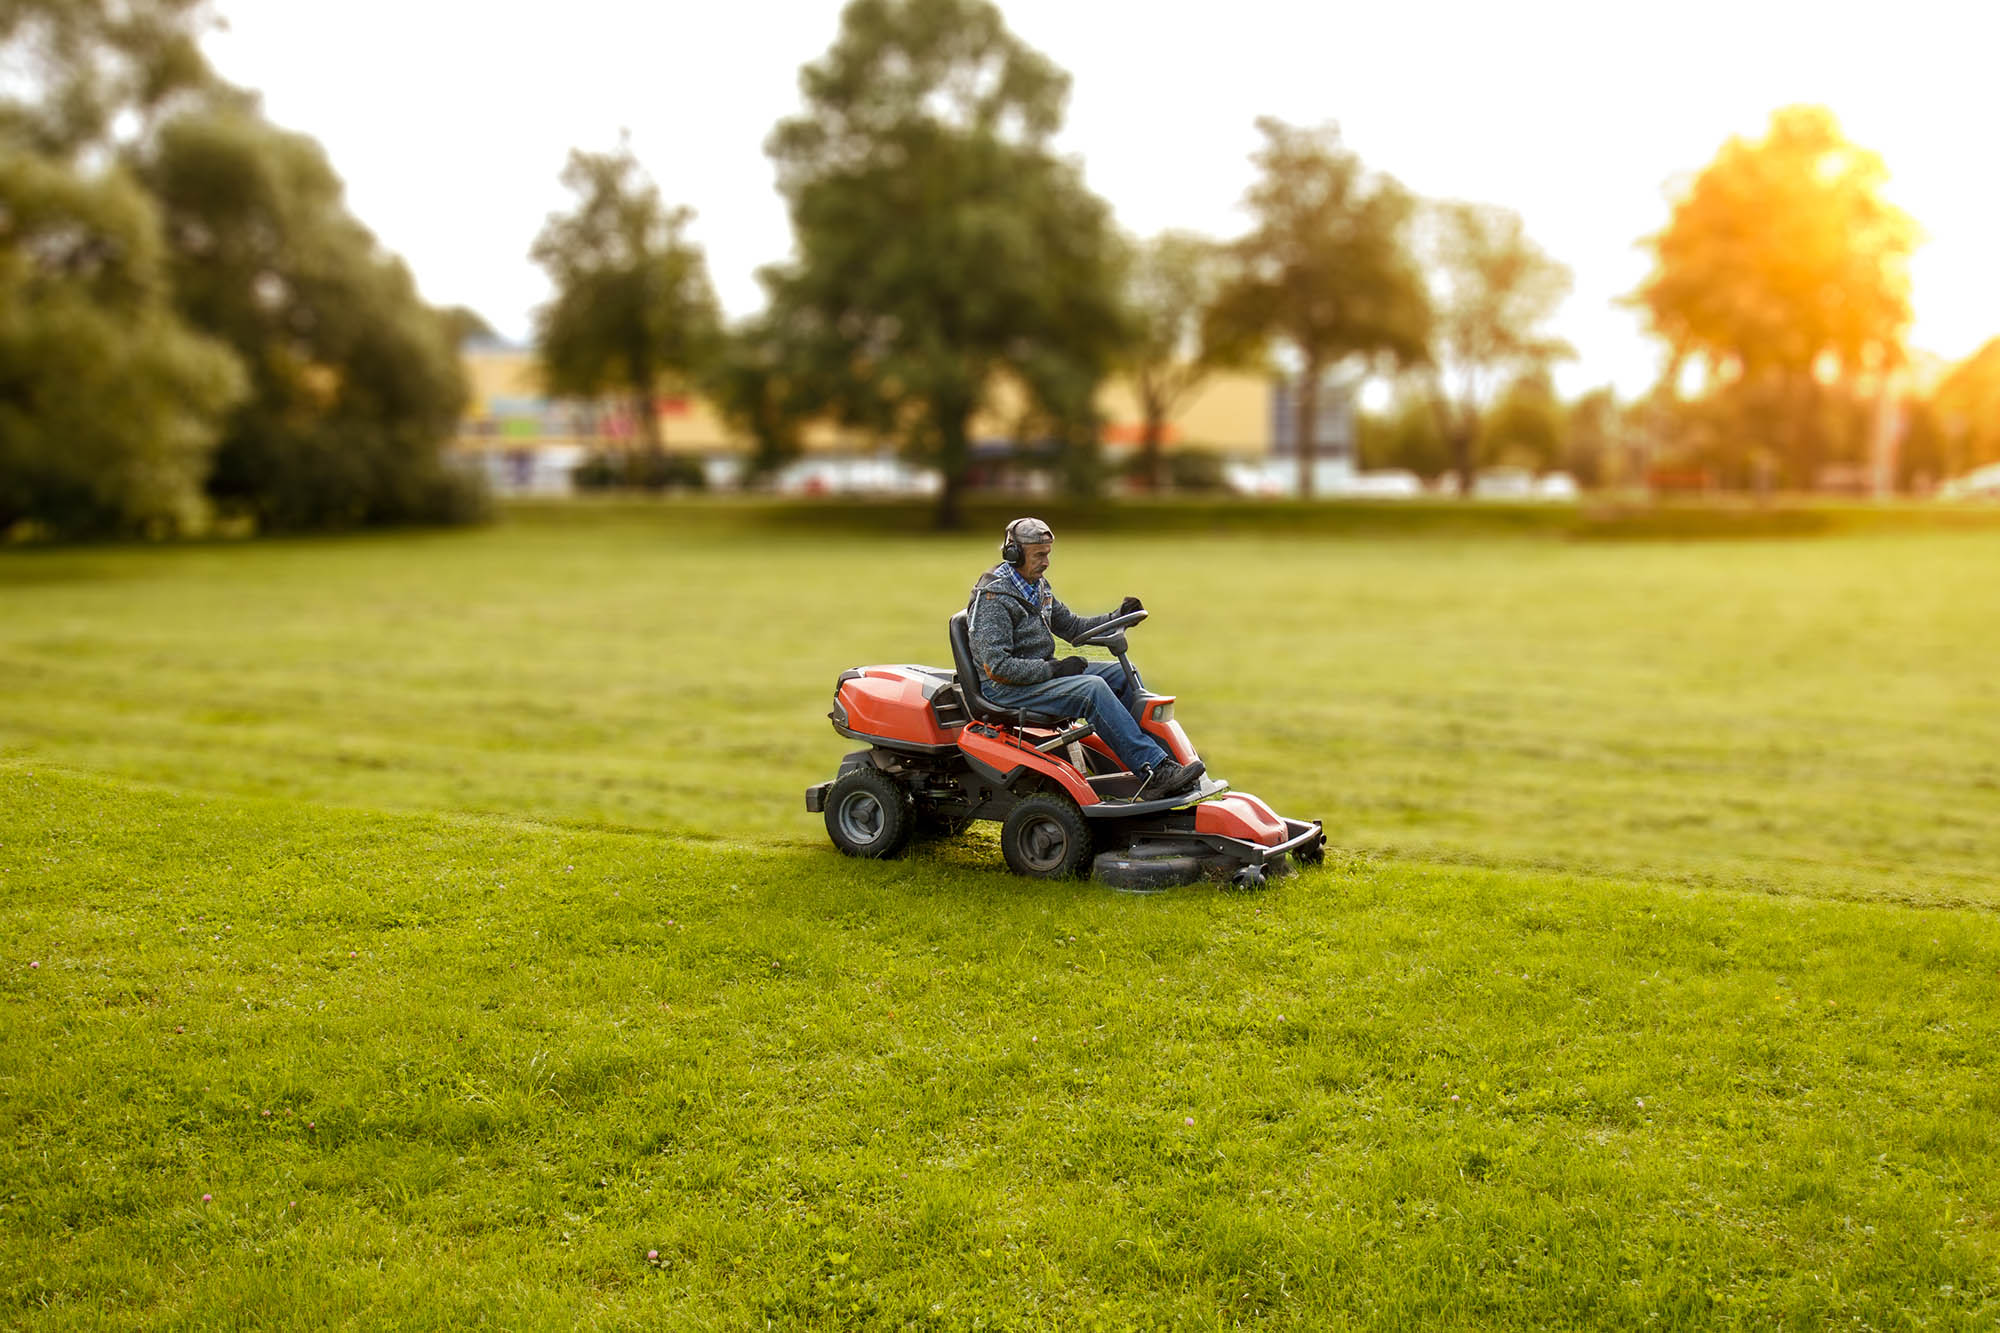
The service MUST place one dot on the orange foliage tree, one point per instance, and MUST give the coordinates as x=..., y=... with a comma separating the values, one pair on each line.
x=1783, y=266
x=1967, y=408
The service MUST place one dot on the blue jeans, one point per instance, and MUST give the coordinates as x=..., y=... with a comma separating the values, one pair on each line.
x=1091, y=695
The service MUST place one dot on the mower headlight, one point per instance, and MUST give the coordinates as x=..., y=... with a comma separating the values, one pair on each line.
x=1163, y=712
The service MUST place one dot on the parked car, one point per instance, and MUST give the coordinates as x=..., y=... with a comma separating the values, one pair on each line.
x=1332, y=478
x=1979, y=484
x=855, y=476
x=1513, y=483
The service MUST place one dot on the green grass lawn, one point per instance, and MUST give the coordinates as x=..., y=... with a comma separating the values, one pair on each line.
x=1652, y=977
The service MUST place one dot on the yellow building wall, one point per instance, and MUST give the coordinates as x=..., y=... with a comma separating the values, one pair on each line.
x=1227, y=412
x=507, y=409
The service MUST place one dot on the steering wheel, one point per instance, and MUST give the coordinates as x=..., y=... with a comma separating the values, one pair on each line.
x=1111, y=634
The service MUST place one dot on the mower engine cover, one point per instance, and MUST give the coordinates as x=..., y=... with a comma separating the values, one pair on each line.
x=1240, y=815
x=914, y=705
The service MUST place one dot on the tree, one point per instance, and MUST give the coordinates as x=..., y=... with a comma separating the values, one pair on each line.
x=1966, y=408
x=85, y=68
x=633, y=304
x=1404, y=436
x=763, y=388
x=1524, y=427
x=463, y=324
x=348, y=382
x=1326, y=267
x=1492, y=287
x=355, y=382
x=1595, y=446
x=1174, y=279
x=940, y=244
x=109, y=406
x=1782, y=262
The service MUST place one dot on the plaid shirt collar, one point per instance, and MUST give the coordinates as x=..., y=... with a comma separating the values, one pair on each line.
x=1032, y=592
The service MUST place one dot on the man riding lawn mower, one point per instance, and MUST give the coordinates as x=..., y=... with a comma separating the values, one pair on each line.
x=1081, y=764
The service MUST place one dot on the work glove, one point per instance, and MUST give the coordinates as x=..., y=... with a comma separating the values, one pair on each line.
x=1128, y=606
x=1066, y=666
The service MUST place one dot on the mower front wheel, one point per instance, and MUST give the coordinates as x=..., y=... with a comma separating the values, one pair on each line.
x=1046, y=836
x=868, y=814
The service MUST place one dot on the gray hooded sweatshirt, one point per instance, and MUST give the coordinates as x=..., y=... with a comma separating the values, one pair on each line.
x=1013, y=640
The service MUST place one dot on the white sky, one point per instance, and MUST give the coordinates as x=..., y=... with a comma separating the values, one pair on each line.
x=450, y=120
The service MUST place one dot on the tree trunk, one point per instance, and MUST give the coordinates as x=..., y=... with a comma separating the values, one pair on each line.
x=952, y=421
x=639, y=375
x=1306, y=431
x=950, y=516
x=648, y=423
x=1149, y=447
x=1460, y=437
x=1811, y=445
x=1798, y=464
x=1465, y=434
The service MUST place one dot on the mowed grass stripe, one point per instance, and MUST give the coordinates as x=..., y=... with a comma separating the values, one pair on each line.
x=1811, y=717
x=503, y=1062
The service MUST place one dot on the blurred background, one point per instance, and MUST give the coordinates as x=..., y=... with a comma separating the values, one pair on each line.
x=266, y=268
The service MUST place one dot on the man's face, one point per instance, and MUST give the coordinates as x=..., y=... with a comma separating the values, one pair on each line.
x=1035, y=560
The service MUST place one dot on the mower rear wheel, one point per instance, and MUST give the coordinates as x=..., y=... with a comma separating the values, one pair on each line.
x=1046, y=836
x=868, y=814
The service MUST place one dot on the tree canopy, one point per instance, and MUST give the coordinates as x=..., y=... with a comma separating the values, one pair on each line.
x=1174, y=280
x=1782, y=251
x=1966, y=404
x=109, y=405
x=1783, y=263
x=190, y=307
x=1492, y=288
x=940, y=243
x=763, y=388
x=633, y=305
x=1326, y=267
x=81, y=67
x=355, y=382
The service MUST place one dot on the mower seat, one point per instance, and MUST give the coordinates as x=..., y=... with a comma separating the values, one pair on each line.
x=976, y=703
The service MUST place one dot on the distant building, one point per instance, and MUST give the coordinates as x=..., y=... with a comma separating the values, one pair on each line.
x=526, y=442
x=1333, y=435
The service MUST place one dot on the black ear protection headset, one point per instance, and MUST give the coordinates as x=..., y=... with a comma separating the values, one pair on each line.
x=1010, y=544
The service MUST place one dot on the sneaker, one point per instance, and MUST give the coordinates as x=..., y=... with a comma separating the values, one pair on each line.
x=1168, y=777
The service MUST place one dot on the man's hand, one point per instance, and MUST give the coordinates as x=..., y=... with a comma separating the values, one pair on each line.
x=1066, y=666
x=1128, y=606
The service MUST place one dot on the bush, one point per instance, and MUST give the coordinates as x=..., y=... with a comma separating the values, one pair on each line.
x=659, y=471
x=597, y=472
x=640, y=471
x=1181, y=470
x=453, y=497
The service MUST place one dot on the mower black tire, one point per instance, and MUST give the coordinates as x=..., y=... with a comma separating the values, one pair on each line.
x=1144, y=874
x=1046, y=836
x=1249, y=878
x=868, y=814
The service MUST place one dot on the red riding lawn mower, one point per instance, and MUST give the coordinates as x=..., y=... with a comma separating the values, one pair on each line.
x=941, y=755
